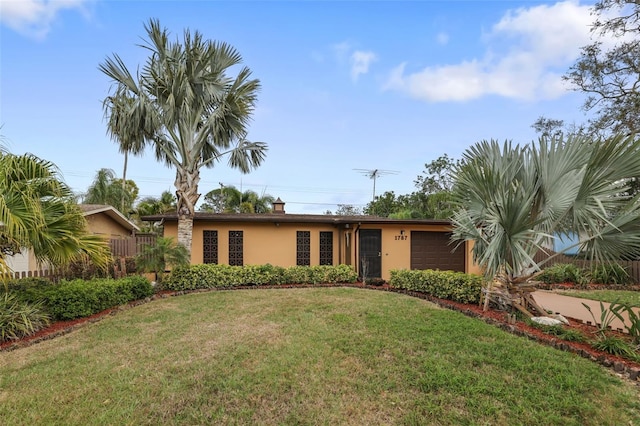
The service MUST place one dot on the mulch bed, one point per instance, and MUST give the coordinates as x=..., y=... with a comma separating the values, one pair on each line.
x=623, y=367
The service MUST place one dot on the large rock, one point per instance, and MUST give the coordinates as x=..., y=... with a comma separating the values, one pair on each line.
x=546, y=320
x=560, y=318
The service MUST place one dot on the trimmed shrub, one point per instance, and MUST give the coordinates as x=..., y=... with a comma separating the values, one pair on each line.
x=456, y=286
x=202, y=276
x=297, y=275
x=71, y=299
x=29, y=290
x=224, y=276
x=139, y=286
x=341, y=274
x=79, y=298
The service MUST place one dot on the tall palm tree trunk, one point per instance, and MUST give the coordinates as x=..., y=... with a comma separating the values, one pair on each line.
x=187, y=194
x=124, y=181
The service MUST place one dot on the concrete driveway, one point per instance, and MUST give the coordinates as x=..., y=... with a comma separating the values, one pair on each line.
x=573, y=307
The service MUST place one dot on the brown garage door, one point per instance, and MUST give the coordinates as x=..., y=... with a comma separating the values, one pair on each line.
x=431, y=250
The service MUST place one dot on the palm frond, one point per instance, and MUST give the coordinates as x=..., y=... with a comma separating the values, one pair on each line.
x=514, y=201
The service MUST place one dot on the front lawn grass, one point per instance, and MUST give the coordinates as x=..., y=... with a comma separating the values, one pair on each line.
x=627, y=297
x=304, y=356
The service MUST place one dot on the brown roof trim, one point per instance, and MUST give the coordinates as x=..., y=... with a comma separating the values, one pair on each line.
x=295, y=218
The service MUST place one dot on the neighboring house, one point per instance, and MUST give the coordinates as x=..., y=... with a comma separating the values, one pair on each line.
x=101, y=220
x=373, y=245
x=107, y=221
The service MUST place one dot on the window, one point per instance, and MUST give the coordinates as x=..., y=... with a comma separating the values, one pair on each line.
x=326, y=248
x=210, y=246
x=303, y=248
x=235, y=248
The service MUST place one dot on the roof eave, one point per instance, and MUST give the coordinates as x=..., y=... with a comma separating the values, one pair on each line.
x=293, y=218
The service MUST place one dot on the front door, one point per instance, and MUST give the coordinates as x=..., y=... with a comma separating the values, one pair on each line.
x=370, y=253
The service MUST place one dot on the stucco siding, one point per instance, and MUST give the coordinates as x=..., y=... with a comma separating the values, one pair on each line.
x=103, y=225
x=262, y=242
x=275, y=242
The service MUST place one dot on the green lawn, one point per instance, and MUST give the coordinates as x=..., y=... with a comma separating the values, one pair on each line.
x=627, y=297
x=303, y=356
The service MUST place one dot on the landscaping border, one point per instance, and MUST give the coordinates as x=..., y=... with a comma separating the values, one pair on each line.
x=625, y=369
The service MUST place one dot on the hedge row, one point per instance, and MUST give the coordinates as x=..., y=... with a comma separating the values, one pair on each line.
x=206, y=276
x=606, y=273
x=456, y=286
x=79, y=298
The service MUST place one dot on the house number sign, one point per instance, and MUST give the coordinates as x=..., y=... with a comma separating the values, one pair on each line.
x=401, y=237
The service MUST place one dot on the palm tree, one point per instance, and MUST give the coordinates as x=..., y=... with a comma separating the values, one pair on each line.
x=258, y=203
x=229, y=199
x=186, y=106
x=99, y=191
x=37, y=212
x=515, y=201
x=151, y=206
x=106, y=189
x=117, y=129
x=164, y=252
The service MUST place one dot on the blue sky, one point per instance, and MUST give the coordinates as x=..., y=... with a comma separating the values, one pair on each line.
x=387, y=85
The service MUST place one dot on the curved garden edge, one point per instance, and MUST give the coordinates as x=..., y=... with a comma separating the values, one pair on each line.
x=624, y=368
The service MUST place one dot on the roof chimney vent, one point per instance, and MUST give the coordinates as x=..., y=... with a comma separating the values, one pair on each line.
x=278, y=206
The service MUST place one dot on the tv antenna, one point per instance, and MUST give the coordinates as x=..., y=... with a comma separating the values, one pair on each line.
x=375, y=174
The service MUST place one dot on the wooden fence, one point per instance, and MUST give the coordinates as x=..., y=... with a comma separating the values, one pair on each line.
x=131, y=246
x=120, y=248
x=632, y=267
x=42, y=273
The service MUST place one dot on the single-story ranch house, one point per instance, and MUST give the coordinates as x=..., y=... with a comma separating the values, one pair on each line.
x=372, y=245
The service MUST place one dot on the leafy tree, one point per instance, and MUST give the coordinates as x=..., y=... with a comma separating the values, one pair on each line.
x=549, y=127
x=435, y=188
x=107, y=189
x=184, y=105
x=37, y=212
x=397, y=207
x=437, y=176
x=610, y=74
x=229, y=199
x=157, y=257
x=348, y=210
x=416, y=205
x=514, y=201
x=433, y=200
x=384, y=205
x=130, y=194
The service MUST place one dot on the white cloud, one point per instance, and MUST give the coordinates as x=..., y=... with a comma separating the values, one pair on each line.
x=527, y=52
x=360, y=62
x=33, y=18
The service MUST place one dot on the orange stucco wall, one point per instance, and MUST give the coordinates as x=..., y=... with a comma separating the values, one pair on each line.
x=262, y=242
x=276, y=244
